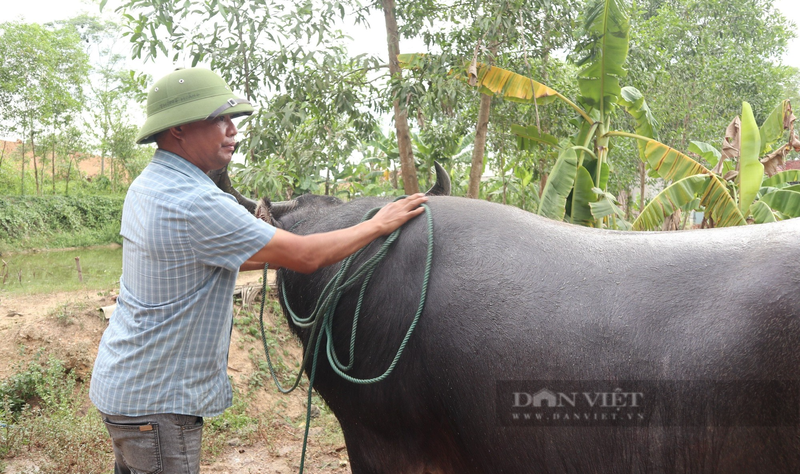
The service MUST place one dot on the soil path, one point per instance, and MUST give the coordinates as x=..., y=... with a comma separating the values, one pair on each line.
x=69, y=326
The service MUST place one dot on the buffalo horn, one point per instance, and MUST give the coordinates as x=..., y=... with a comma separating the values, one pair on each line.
x=442, y=186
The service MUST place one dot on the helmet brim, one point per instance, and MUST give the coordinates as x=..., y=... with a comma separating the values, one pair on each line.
x=187, y=113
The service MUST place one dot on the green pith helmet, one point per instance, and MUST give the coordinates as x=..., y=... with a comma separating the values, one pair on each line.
x=185, y=96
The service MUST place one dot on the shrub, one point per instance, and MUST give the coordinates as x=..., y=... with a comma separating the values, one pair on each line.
x=24, y=218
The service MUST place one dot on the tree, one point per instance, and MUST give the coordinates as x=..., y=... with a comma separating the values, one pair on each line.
x=409, y=171
x=516, y=35
x=696, y=61
x=577, y=187
x=41, y=80
x=70, y=144
x=317, y=103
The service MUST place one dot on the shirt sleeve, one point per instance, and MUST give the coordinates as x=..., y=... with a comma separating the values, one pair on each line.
x=223, y=233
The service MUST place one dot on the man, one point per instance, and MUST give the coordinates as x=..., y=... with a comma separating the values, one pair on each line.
x=162, y=362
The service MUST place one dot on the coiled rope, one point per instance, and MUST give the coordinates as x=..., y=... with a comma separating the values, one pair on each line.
x=321, y=319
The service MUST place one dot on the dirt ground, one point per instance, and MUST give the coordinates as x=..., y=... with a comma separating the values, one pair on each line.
x=69, y=326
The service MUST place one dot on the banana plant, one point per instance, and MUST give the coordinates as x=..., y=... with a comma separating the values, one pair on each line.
x=576, y=187
x=751, y=191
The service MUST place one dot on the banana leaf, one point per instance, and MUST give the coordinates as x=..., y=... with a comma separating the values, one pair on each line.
x=606, y=206
x=672, y=198
x=706, y=152
x=493, y=80
x=527, y=136
x=637, y=107
x=780, y=179
x=608, y=25
x=719, y=204
x=751, y=170
x=773, y=127
x=713, y=197
x=583, y=196
x=559, y=184
x=512, y=86
x=784, y=201
x=669, y=163
x=762, y=213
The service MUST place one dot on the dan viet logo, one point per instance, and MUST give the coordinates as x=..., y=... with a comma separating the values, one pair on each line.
x=648, y=403
x=553, y=407
x=546, y=398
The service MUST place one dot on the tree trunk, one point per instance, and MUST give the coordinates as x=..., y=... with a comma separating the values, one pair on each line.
x=54, y=161
x=69, y=171
x=22, y=178
x=408, y=170
x=478, y=150
x=35, y=166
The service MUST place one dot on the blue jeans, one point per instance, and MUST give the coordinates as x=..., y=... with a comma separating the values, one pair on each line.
x=155, y=444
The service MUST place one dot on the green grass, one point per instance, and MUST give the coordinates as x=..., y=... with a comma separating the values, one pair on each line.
x=106, y=234
x=43, y=409
x=53, y=271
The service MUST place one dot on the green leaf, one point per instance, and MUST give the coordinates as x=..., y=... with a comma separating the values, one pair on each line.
x=531, y=133
x=582, y=197
x=762, y=213
x=784, y=201
x=671, y=164
x=591, y=165
x=635, y=105
x=559, y=184
x=672, y=198
x=781, y=179
x=713, y=195
x=527, y=179
x=773, y=127
x=751, y=170
x=706, y=152
x=605, y=205
x=609, y=27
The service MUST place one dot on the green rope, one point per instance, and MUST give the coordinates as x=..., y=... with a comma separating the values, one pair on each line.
x=321, y=319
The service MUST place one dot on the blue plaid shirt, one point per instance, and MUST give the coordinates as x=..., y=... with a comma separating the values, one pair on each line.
x=166, y=347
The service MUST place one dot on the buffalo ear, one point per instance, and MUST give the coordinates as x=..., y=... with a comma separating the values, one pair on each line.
x=442, y=186
x=279, y=209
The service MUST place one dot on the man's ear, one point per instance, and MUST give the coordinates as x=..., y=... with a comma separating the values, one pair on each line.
x=176, y=132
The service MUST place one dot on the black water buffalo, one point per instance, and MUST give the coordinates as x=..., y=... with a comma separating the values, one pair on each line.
x=550, y=348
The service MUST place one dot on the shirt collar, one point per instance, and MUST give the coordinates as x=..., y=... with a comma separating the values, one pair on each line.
x=179, y=164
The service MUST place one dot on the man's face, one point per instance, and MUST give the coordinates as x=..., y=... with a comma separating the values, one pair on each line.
x=209, y=144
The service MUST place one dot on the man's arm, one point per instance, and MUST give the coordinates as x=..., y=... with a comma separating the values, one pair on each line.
x=307, y=253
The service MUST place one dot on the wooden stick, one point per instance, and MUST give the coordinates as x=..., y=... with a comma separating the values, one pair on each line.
x=78, y=264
